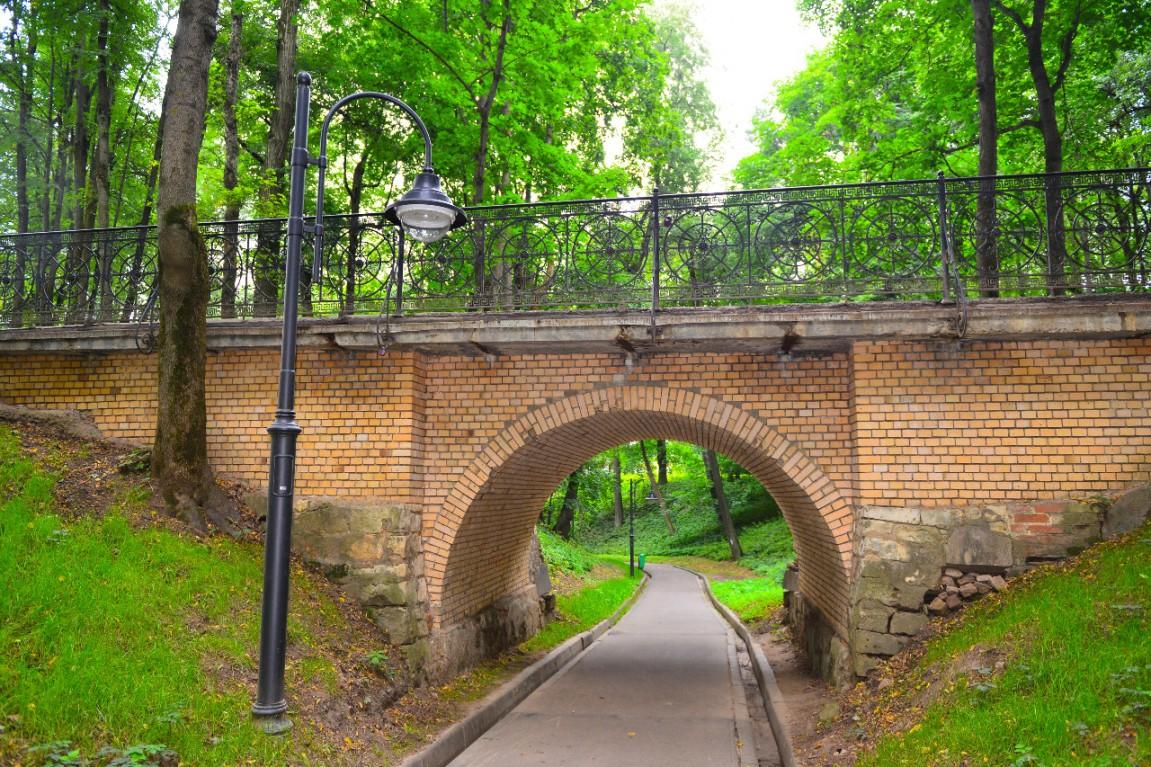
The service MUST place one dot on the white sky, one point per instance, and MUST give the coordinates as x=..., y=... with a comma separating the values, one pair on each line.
x=752, y=44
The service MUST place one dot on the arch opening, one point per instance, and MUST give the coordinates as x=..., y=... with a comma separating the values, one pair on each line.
x=481, y=596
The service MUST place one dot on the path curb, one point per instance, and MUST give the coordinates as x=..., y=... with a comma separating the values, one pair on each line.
x=454, y=740
x=772, y=697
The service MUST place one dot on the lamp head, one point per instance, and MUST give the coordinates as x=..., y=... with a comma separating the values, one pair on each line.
x=425, y=212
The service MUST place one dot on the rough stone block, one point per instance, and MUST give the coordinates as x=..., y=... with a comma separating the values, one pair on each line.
x=909, y=597
x=874, y=643
x=396, y=622
x=886, y=549
x=416, y=654
x=385, y=594
x=872, y=616
x=908, y=623
x=1127, y=513
x=954, y=602
x=943, y=519
x=977, y=546
x=864, y=664
x=968, y=590
x=903, y=515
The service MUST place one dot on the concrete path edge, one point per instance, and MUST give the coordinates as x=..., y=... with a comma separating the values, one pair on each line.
x=453, y=741
x=772, y=697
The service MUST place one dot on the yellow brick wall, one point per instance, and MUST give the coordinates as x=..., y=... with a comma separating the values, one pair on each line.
x=947, y=424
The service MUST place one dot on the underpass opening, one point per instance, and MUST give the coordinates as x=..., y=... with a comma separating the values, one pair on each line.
x=481, y=597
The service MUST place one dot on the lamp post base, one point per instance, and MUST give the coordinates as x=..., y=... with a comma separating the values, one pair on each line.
x=271, y=720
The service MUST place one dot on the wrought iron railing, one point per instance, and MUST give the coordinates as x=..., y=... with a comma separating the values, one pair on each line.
x=1070, y=233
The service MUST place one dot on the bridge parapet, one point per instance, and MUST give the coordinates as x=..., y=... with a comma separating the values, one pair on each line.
x=909, y=240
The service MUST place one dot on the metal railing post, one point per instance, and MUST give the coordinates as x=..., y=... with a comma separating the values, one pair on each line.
x=400, y=274
x=654, y=254
x=944, y=239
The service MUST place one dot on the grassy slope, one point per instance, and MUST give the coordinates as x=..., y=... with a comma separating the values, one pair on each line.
x=1056, y=671
x=113, y=635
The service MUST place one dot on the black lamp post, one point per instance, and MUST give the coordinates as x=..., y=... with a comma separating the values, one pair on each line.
x=631, y=528
x=427, y=215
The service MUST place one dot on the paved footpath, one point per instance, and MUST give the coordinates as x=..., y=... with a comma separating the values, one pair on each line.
x=657, y=689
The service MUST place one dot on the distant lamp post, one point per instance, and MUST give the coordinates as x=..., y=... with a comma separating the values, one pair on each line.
x=631, y=528
x=425, y=213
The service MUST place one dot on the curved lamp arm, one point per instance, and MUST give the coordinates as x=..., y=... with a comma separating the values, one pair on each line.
x=321, y=161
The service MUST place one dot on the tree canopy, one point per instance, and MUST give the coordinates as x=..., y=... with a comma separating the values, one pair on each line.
x=522, y=97
x=894, y=94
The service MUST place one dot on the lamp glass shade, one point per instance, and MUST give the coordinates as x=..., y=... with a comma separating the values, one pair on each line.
x=425, y=222
x=425, y=212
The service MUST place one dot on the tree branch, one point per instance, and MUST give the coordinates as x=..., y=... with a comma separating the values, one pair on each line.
x=250, y=150
x=501, y=46
x=438, y=56
x=1013, y=15
x=1066, y=49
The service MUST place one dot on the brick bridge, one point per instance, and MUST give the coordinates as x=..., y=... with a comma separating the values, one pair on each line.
x=898, y=439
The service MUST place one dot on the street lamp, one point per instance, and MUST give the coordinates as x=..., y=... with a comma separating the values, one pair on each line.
x=425, y=213
x=631, y=528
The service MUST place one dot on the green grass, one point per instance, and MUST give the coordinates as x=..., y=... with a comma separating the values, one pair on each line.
x=109, y=634
x=564, y=555
x=1075, y=688
x=751, y=599
x=583, y=609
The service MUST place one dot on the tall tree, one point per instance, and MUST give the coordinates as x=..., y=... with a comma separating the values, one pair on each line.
x=616, y=490
x=986, y=247
x=273, y=188
x=180, y=452
x=656, y=489
x=661, y=461
x=566, y=519
x=231, y=166
x=722, y=510
x=1046, y=87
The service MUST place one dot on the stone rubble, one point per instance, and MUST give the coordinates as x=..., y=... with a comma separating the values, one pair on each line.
x=957, y=588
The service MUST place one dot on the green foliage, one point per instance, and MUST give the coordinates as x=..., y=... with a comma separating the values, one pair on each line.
x=859, y=113
x=1075, y=684
x=564, y=555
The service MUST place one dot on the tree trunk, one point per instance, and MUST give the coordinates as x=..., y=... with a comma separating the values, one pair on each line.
x=231, y=168
x=1052, y=159
x=655, y=488
x=273, y=190
x=484, y=110
x=1048, y=123
x=563, y=525
x=98, y=197
x=135, y=271
x=986, y=241
x=617, y=491
x=180, y=453
x=78, y=271
x=355, y=198
x=23, y=81
x=661, y=461
x=711, y=461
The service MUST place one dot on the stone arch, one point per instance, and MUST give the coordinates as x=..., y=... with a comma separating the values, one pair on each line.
x=477, y=548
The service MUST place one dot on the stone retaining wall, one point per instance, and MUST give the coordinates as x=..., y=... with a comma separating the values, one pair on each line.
x=375, y=553
x=905, y=556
